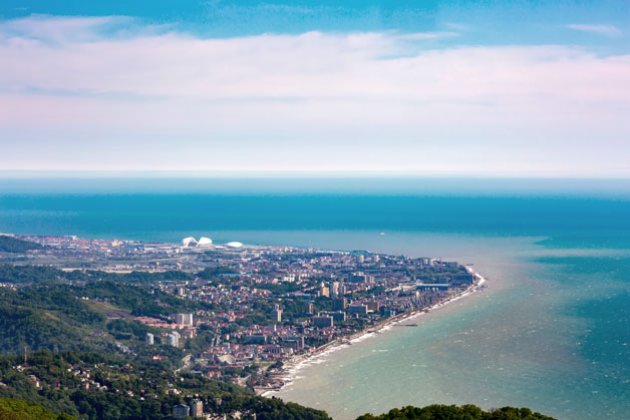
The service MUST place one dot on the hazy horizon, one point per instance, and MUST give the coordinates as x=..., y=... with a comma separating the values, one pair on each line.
x=314, y=185
x=279, y=174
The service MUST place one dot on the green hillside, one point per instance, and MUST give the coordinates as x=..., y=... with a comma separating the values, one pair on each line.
x=69, y=343
x=12, y=409
x=11, y=244
x=452, y=412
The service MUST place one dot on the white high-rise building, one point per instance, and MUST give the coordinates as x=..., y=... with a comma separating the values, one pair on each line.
x=149, y=339
x=196, y=408
x=335, y=289
x=184, y=319
x=277, y=314
x=172, y=339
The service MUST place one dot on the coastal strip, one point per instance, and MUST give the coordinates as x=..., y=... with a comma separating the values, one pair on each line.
x=291, y=368
x=250, y=315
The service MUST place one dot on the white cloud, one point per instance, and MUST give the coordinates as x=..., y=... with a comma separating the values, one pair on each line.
x=314, y=101
x=598, y=29
x=51, y=29
x=456, y=26
x=313, y=65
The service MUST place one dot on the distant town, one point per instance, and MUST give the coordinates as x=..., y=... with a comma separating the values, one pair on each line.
x=263, y=308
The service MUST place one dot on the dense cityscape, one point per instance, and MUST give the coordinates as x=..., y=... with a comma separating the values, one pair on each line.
x=232, y=313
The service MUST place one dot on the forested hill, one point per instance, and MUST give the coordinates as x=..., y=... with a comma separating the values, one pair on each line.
x=69, y=342
x=101, y=386
x=91, y=316
x=452, y=412
x=12, y=409
x=11, y=244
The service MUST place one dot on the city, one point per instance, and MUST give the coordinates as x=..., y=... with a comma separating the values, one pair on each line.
x=259, y=309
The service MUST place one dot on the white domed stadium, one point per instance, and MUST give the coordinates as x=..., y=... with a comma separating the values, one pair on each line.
x=189, y=242
x=234, y=245
x=204, y=241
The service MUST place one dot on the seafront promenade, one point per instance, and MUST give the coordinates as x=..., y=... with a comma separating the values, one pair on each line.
x=292, y=366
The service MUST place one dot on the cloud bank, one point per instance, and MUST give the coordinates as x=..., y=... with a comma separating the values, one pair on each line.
x=147, y=97
x=598, y=29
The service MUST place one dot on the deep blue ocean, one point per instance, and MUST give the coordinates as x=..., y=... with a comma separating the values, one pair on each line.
x=557, y=253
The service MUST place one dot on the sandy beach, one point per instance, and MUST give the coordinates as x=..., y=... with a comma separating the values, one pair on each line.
x=292, y=367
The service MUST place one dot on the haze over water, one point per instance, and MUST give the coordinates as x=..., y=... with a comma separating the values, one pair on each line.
x=551, y=331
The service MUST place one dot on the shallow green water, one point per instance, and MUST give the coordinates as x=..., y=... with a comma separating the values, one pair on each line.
x=551, y=332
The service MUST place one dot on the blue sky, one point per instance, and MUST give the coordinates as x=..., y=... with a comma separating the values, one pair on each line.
x=491, y=88
x=488, y=22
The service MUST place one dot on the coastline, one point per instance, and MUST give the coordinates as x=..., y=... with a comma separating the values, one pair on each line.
x=279, y=379
x=289, y=372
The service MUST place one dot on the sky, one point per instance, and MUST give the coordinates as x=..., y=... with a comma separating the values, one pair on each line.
x=481, y=88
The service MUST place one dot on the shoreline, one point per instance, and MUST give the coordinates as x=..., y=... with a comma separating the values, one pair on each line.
x=289, y=372
x=279, y=379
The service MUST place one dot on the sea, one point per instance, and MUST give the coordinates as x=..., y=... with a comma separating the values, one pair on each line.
x=551, y=331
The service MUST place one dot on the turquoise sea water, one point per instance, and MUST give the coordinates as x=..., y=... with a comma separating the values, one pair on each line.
x=552, y=330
